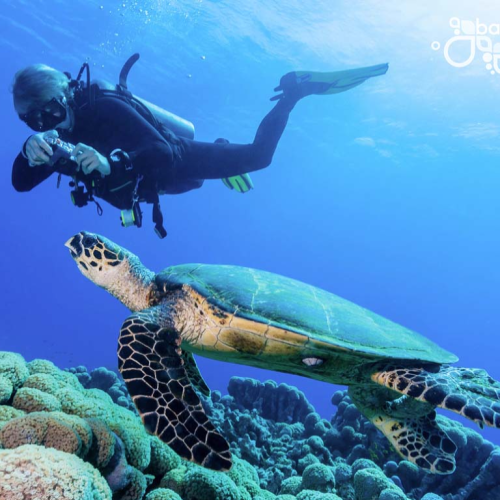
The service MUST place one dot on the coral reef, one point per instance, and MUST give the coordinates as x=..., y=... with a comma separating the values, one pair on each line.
x=286, y=455
x=75, y=435
x=59, y=439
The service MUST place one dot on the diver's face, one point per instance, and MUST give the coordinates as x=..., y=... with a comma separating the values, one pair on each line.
x=53, y=114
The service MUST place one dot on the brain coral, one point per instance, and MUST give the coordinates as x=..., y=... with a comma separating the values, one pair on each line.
x=41, y=429
x=33, y=473
x=30, y=399
x=13, y=367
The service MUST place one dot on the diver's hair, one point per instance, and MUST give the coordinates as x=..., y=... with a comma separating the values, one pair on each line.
x=37, y=84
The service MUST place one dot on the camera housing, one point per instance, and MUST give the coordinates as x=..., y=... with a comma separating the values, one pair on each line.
x=62, y=154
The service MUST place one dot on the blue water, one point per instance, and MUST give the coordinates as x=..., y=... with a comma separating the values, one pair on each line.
x=387, y=195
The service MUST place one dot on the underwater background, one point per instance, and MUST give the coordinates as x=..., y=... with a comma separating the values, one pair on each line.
x=387, y=195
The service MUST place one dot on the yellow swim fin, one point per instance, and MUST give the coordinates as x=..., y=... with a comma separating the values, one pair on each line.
x=298, y=84
x=241, y=183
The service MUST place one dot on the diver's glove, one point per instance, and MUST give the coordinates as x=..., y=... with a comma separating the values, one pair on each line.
x=241, y=183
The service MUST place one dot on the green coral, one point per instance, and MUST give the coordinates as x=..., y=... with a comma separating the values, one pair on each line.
x=291, y=486
x=13, y=367
x=318, y=477
x=136, y=487
x=48, y=383
x=242, y=473
x=6, y=389
x=162, y=494
x=31, y=400
x=32, y=472
x=265, y=495
x=7, y=413
x=163, y=458
x=303, y=463
x=205, y=484
x=363, y=463
x=316, y=495
x=131, y=431
x=75, y=402
x=342, y=472
x=253, y=490
x=390, y=494
x=62, y=378
x=174, y=479
x=370, y=482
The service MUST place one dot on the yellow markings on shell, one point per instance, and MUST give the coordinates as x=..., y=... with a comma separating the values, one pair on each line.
x=245, y=324
x=213, y=329
x=210, y=337
x=245, y=340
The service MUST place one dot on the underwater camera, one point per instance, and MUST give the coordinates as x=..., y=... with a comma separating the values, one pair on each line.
x=62, y=154
x=63, y=160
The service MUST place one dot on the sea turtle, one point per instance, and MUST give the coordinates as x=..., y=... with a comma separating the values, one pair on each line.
x=396, y=377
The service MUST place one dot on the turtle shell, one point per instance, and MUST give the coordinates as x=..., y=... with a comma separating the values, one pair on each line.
x=295, y=306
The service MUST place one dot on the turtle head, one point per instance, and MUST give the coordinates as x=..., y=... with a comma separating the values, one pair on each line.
x=112, y=267
x=98, y=258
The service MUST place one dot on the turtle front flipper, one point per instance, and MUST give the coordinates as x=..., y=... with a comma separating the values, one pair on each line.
x=194, y=374
x=410, y=427
x=469, y=392
x=151, y=363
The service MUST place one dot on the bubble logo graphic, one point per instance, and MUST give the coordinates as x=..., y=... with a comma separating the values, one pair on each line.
x=473, y=38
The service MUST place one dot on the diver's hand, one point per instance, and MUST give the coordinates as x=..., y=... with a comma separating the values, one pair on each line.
x=38, y=150
x=88, y=159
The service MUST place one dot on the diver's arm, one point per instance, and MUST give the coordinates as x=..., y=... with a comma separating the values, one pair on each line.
x=24, y=177
x=146, y=148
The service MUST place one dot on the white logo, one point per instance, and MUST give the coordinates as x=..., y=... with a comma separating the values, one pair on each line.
x=477, y=38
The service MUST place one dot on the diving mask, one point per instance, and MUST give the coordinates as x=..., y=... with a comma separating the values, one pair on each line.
x=46, y=117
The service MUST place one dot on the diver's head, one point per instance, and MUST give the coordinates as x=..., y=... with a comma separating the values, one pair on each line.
x=41, y=95
x=113, y=268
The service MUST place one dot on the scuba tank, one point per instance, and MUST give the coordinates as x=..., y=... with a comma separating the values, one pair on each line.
x=166, y=119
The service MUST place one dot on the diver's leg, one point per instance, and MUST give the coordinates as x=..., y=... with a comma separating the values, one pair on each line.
x=203, y=160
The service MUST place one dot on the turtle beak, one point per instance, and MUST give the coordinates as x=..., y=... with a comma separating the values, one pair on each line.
x=75, y=245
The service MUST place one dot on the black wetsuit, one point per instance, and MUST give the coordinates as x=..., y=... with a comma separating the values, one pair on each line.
x=168, y=164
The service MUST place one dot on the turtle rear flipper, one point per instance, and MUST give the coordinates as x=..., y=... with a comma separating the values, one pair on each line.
x=469, y=392
x=420, y=441
x=151, y=363
x=413, y=431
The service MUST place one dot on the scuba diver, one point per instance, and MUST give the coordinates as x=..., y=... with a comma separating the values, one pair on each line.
x=125, y=150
